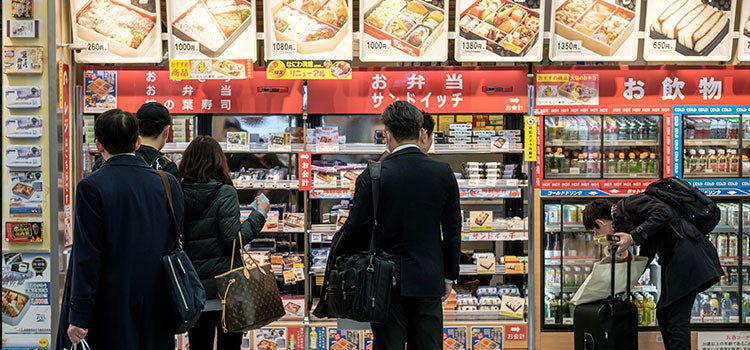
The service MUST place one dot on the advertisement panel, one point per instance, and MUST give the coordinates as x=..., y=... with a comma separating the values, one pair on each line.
x=26, y=301
x=743, y=51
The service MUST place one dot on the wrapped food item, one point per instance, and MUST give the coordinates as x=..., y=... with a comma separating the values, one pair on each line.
x=692, y=23
x=418, y=36
x=416, y=7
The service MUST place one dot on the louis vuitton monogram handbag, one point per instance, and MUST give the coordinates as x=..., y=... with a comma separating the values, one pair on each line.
x=249, y=296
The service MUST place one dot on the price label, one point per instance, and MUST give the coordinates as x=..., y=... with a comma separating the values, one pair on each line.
x=284, y=47
x=378, y=46
x=97, y=47
x=492, y=182
x=568, y=321
x=747, y=45
x=186, y=47
x=474, y=183
x=664, y=45
x=549, y=320
x=569, y=46
x=473, y=45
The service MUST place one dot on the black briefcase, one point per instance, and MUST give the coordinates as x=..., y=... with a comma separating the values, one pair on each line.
x=607, y=324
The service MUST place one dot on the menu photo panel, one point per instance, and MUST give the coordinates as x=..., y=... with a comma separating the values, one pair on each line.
x=595, y=30
x=117, y=31
x=743, y=51
x=689, y=30
x=499, y=30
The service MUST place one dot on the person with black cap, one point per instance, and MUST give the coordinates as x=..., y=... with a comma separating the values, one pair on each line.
x=155, y=124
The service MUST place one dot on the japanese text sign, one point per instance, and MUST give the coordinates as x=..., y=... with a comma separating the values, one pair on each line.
x=444, y=90
x=304, y=172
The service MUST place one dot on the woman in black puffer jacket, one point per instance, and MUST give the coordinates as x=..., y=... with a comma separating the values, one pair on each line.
x=212, y=221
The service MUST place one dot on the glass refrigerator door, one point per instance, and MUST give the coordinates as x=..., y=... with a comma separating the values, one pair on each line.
x=744, y=278
x=552, y=264
x=711, y=146
x=572, y=146
x=745, y=145
x=720, y=303
x=631, y=146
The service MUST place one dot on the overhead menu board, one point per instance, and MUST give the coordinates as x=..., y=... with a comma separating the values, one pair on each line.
x=689, y=30
x=743, y=51
x=212, y=38
x=117, y=31
x=595, y=30
x=403, y=31
x=308, y=29
x=499, y=30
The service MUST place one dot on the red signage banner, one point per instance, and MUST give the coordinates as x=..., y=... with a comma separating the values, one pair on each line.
x=559, y=90
x=128, y=88
x=304, y=171
x=435, y=90
x=67, y=151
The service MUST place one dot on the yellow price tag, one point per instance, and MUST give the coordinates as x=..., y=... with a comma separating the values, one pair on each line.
x=530, y=138
x=179, y=69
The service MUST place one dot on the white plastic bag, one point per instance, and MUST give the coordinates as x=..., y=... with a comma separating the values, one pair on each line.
x=82, y=346
x=598, y=284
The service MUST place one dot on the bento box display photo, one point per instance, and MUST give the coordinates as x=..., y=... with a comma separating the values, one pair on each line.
x=743, y=51
x=201, y=29
x=689, y=30
x=308, y=29
x=499, y=28
x=595, y=30
x=116, y=31
x=401, y=30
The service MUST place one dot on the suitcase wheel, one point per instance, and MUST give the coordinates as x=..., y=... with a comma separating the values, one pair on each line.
x=588, y=341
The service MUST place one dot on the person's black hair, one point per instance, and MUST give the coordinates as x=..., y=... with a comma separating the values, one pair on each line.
x=595, y=210
x=428, y=123
x=117, y=131
x=403, y=120
x=153, y=117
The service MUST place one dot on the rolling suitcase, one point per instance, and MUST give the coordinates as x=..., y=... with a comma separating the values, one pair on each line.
x=607, y=324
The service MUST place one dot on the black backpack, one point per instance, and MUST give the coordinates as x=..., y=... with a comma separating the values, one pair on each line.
x=689, y=201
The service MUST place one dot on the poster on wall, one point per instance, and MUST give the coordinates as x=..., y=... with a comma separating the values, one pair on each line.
x=23, y=231
x=689, y=30
x=499, y=30
x=743, y=51
x=403, y=31
x=486, y=338
x=99, y=91
x=26, y=193
x=308, y=30
x=568, y=89
x=215, y=37
x=117, y=31
x=26, y=301
x=595, y=30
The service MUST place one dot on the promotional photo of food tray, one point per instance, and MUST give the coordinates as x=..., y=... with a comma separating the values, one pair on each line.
x=308, y=29
x=15, y=306
x=689, y=30
x=413, y=28
x=214, y=25
x=115, y=31
x=505, y=28
x=743, y=51
x=601, y=26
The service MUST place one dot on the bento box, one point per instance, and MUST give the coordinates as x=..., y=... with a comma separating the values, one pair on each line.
x=411, y=27
x=213, y=25
x=128, y=30
x=601, y=26
x=15, y=306
x=509, y=28
x=315, y=25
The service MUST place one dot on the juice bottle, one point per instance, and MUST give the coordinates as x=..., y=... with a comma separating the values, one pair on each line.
x=572, y=163
x=732, y=243
x=554, y=307
x=610, y=129
x=292, y=342
x=559, y=160
x=689, y=128
x=634, y=167
x=594, y=165
x=611, y=164
x=692, y=162
x=652, y=164
x=549, y=160
x=582, y=163
x=712, y=161
x=644, y=162
x=568, y=161
x=649, y=311
x=571, y=129
x=622, y=164
x=595, y=129
x=313, y=339
x=638, y=301
x=723, y=161
x=733, y=132
x=713, y=129
x=714, y=302
x=583, y=129
x=702, y=161
x=722, y=129
x=734, y=161
x=746, y=307
x=560, y=129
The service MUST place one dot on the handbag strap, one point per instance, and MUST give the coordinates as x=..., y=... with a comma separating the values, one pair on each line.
x=242, y=249
x=375, y=169
x=168, y=190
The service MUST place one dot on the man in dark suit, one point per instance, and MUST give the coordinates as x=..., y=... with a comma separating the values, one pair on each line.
x=418, y=195
x=115, y=294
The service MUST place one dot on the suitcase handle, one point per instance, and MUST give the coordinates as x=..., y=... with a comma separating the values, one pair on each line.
x=613, y=262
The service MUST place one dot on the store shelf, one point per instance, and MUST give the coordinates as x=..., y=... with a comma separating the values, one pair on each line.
x=502, y=226
x=572, y=143
x=566, y=290
x=269, y=185
x=366, y=148
x=489, y=183
x=631, y=143
x=630, y=176
x=179, y=147
x=482, y=194
x=711, y=142
x=721, y=289
x=645, y=289
x=354, y=148
x=471, y=270
x=478, y=315
x=471, y=148
x=566, y=228
x=571, y=260
x=495, y=236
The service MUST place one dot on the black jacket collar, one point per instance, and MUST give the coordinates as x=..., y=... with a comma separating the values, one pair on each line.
x=125, y=160
x=405, y=151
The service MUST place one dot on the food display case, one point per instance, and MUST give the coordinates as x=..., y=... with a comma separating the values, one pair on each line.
x=602, y=146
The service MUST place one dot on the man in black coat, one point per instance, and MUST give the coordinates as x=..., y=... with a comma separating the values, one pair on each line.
x=689, y=262
x=418, y=195
x=115, y=292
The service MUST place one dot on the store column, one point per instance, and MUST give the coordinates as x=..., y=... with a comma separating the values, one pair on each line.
x=29, y=174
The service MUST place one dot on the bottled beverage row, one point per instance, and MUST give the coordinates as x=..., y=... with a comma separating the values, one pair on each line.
x=557, y=312
x=714, y=161
x=714, y=128
x=720, y=307
x=586, y=128
x=616, y=163
x=726, y=244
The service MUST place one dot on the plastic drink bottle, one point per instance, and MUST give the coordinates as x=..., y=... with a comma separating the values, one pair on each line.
x=734, y=161
x=571, y=129
x=721, y=129
x=622, y=164
x=723, y=161
x=734, y=128
x=583, y=129
x=638, y=301
x=714, y=302
x=633, y=165
x=702, y=161
x=652, y=164
x=713, y=162
x=705, y=306
x=313, y=339
x=714, y=129
x=611, y=164
x=582, y=163
x=689, y=128
x=549, y=160
x=746, y=307
x=721, y=244
x=693, y=159
x=649, y=311
x=726, y=307
x=644, y=162
x=559, y=160
x=594, y=164
x=732, y=245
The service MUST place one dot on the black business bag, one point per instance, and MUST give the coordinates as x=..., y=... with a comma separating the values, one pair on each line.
x=607, y=324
